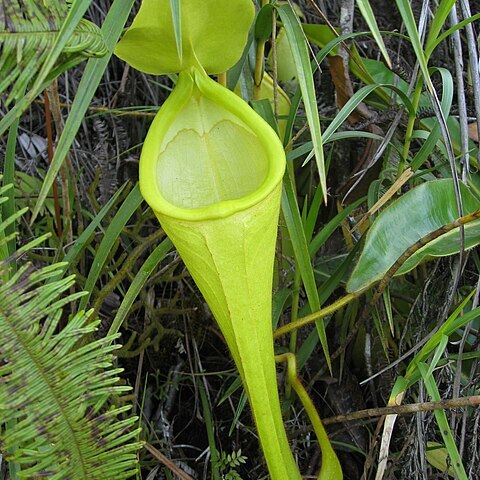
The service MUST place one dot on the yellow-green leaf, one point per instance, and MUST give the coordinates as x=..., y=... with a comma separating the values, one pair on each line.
x=437, y=456
x=213, y=34
x=211, y=169
x=419, y=212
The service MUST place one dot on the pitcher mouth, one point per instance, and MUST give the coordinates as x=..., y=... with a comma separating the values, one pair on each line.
x=207, y=154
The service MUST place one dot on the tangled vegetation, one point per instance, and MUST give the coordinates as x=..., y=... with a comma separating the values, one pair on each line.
x=111, y=362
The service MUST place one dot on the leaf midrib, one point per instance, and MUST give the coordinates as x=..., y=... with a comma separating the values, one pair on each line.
x=50, y=388
x=28, y=33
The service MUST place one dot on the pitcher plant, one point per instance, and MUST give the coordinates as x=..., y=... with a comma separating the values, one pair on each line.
x=211, y=169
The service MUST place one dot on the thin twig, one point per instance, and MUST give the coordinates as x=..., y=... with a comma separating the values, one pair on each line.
x=275, y=64
x=473, y=57
x=48, y=123
x=462, y=103
x=167, y=462
x=318, y=315
x=449, y=404
x=112, y=111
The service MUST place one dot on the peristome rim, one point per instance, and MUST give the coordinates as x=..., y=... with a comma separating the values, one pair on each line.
x=178, y=98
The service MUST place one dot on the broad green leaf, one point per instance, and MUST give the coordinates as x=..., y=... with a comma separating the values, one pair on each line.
x=443, y=246
x=213, y=35
x=322, y=35
x=419, y=212
x=286, y=71
x=263, y=23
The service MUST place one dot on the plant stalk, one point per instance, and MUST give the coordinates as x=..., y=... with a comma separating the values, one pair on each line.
x=226, y=258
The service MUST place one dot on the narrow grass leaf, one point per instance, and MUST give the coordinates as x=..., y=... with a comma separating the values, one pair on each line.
x=324, y=234
x=209, y=425
x=238, y=412
x=82, y=241
x=439, y=351
x=129, y=206
x=138, y=282
x=312, y=215
x=177, y=25
x=387, y=302
x=433, y=45
x=409, y=20
x=451, y=325
x=356, y=99
x=8, y=208
x=92, y=75
x=76, y=12
x=438, y=23
x=335, y=137
x=301, y=57
x=443, y=424
x=326, y=289
x=435, y=132
x=297, y=236
x=369, y=16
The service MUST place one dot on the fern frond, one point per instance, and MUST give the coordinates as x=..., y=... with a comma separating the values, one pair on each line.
x=28, y=30
x=58, y=395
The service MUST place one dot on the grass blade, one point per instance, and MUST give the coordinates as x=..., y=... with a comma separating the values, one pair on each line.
x=75, y=14
x=82, y=241
x=355, y=100
x=442, y=423
x=434, y=135
x=131, y=203
x=8, y=208
x=177, y=25
x=409, y=20
x=325, y=233
x=138, y=282
x=302, y=255
x=438, y=23
x=111, y=29
x=369, y=16
x=301, y=57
